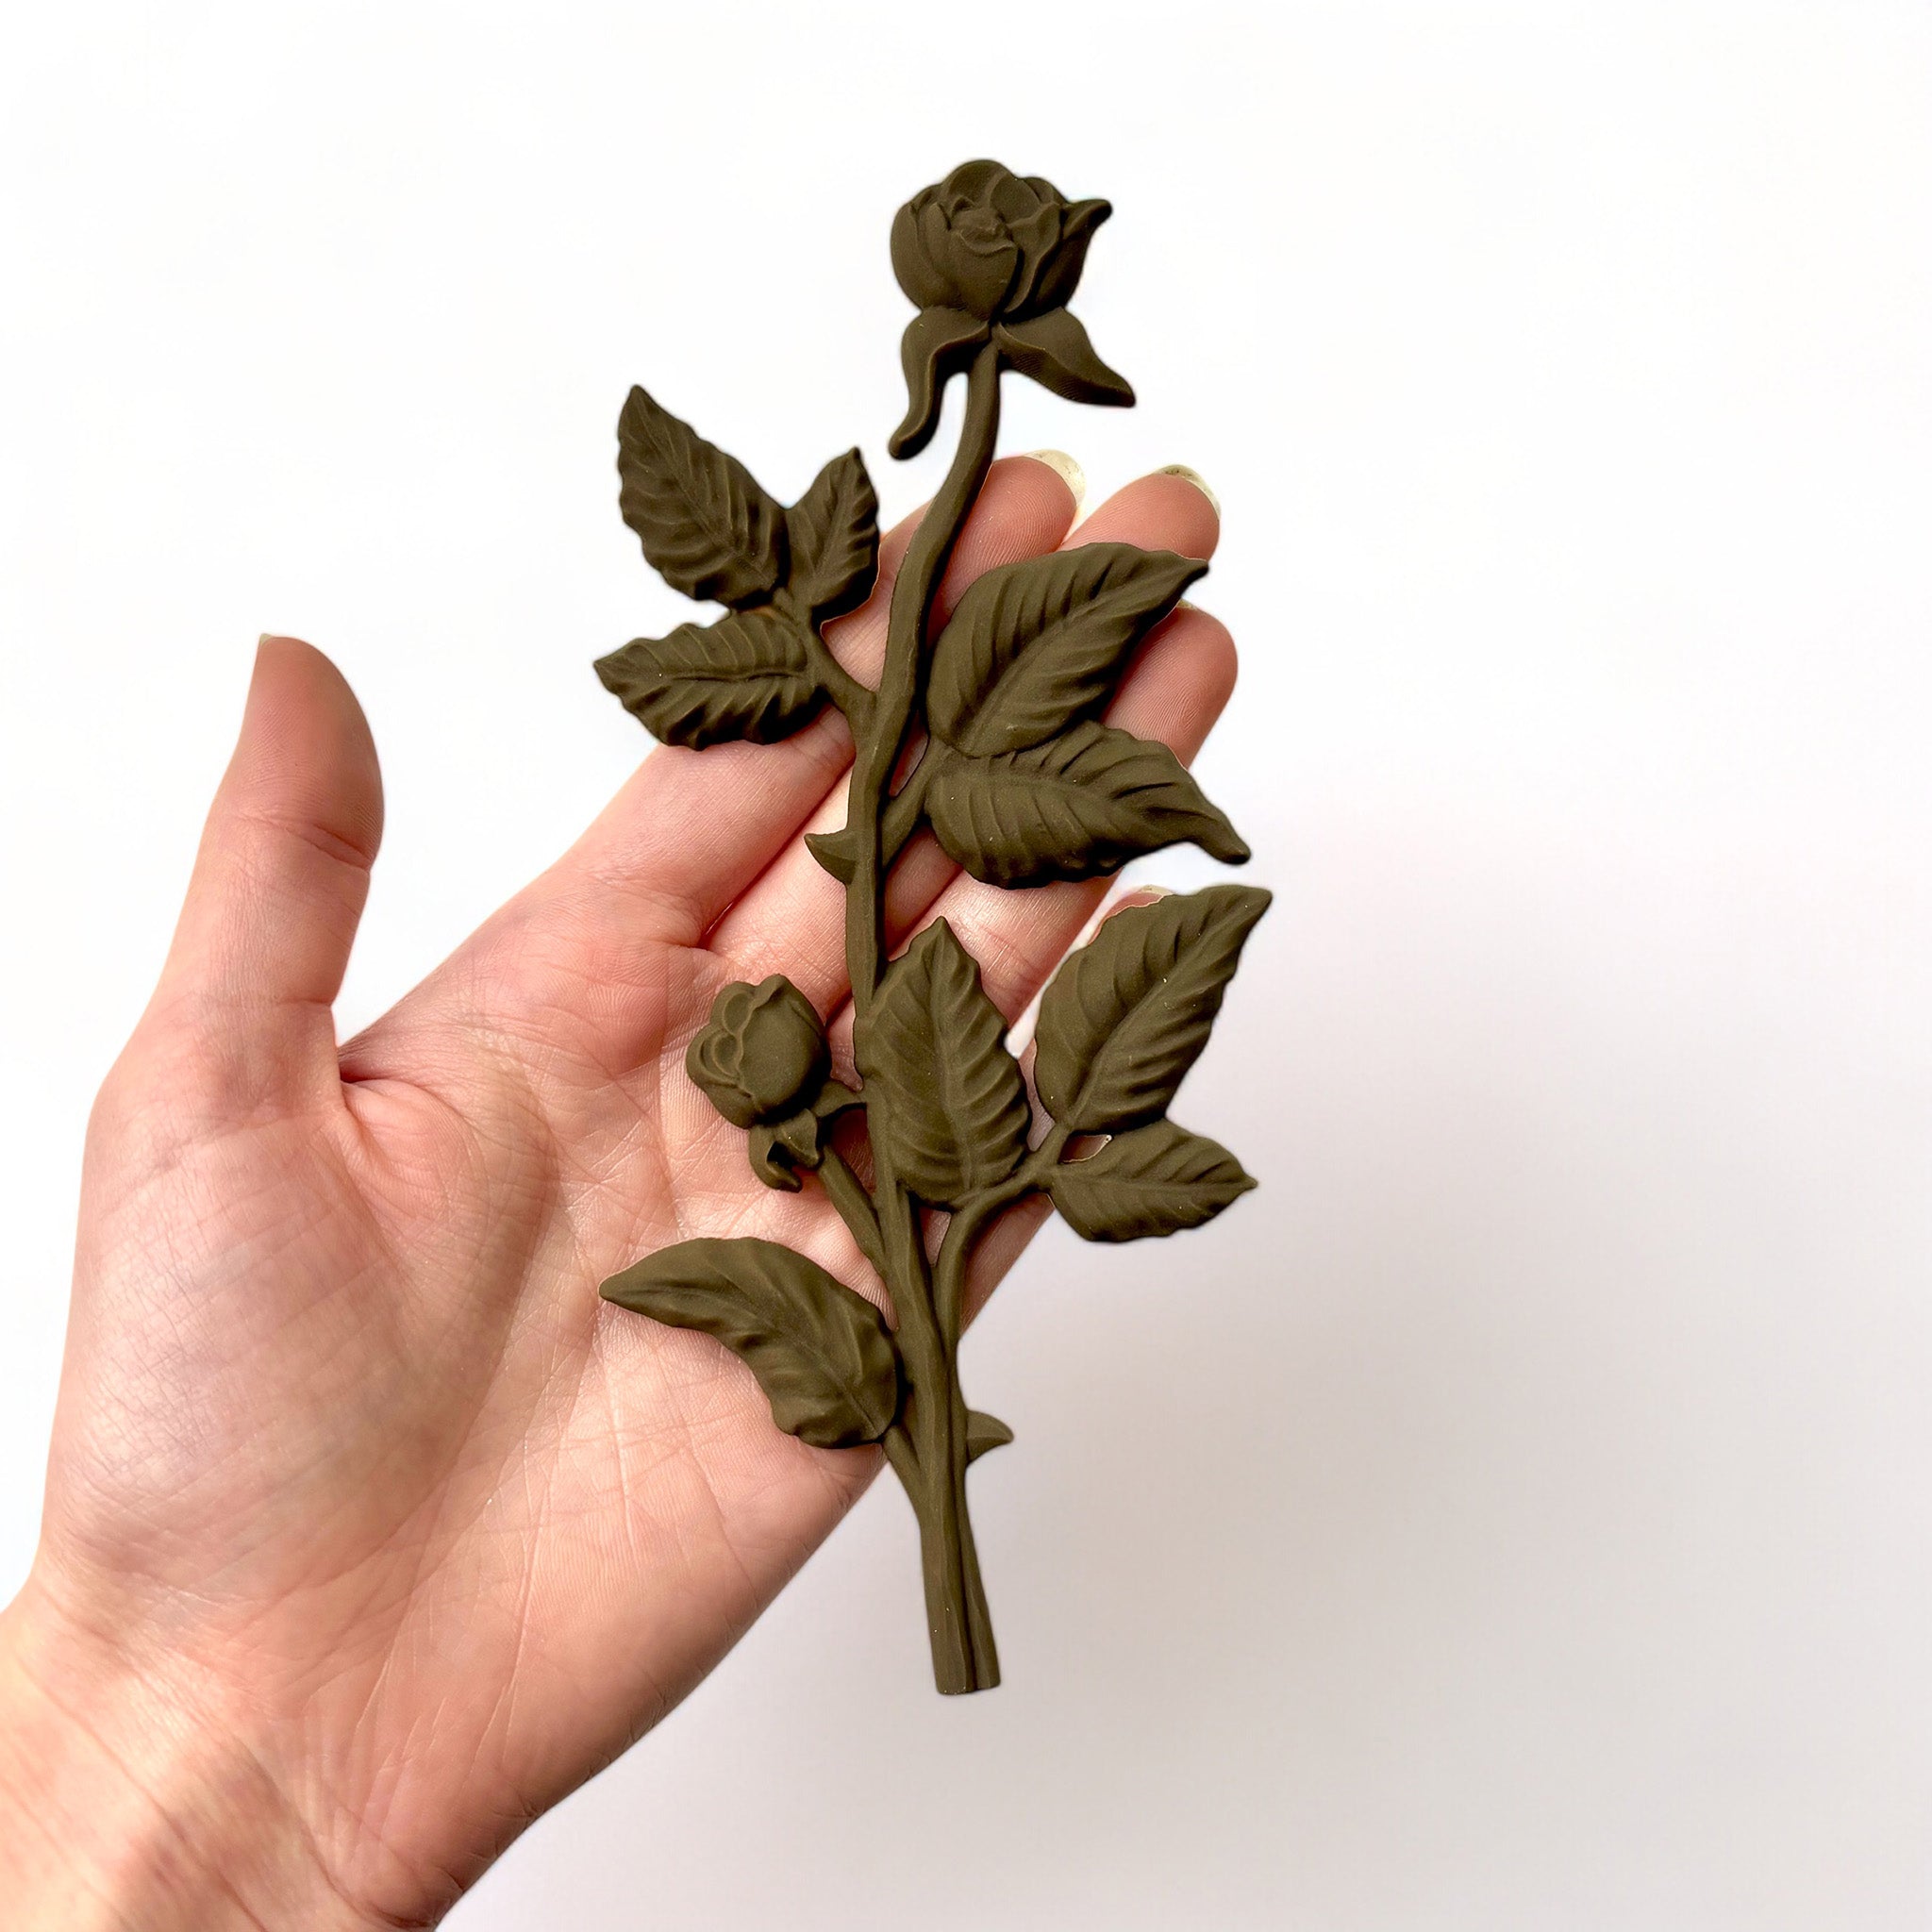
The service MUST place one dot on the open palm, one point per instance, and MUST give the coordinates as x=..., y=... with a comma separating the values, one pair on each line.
x=354, y=1474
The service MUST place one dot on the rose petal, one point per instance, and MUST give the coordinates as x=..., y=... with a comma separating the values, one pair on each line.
x=912, y=263
x=1020, y=199
x=702, y=1061
x=1061, y=276
x=1039, y=237
x=971, y=181
x=981, y=267
x=782, y=1047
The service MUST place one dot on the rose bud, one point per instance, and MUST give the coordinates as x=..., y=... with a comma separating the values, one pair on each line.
x=991, y=244
x=990, y=255
x=763, y=1053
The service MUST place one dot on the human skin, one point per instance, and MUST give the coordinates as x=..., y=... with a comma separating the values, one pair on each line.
x=371, y=1531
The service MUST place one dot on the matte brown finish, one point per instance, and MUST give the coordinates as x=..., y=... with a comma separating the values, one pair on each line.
x=1126, y=1016
x=712, y=530
x=1069, y=809
x=1034, y=646
x=760, y=1053
x=1021, y=784
x=944, y=1094
x=821, y=1352
x=987, y=256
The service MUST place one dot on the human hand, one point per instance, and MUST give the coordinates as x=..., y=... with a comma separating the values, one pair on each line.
x=371, y=1531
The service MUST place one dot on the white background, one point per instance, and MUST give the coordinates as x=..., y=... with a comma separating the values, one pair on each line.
x=1516, y=1515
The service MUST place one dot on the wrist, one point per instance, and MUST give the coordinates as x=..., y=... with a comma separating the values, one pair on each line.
x=127, y=1802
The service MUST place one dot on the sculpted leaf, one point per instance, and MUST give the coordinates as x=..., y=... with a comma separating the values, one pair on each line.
x=706, y=522
x=939, y=344
x=1056, y=351
x=744, y=677
x=1079, y=805
x=1157, y=1179
x=943, y=1091
x=1127, y=1016
x=820, y=1353
x=1034, y=646
x=834, y=530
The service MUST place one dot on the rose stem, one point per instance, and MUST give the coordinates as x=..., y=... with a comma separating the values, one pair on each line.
x=854, y=1204
x=924, y=1446
x=949, y=1302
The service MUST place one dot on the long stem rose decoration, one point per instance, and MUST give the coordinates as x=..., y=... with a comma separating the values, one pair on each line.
x=1019, y=783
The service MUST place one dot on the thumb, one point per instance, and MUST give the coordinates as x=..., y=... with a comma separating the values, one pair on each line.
x=278, y=886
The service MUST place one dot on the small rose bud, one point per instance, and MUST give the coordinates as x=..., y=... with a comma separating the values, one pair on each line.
x=762, y=1053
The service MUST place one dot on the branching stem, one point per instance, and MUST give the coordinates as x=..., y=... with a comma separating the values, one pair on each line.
x=848, y=1195
x=906, y=806
x=838, y=683
x=928, y=1443
x=971, y=1221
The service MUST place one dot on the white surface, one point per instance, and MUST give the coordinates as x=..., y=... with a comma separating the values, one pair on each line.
x=1516, y=1515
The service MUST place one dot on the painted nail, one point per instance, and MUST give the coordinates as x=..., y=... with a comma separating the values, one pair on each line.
x=1193, y=476
x=1067, y=470
x=1129, y=899
x=1142, y=894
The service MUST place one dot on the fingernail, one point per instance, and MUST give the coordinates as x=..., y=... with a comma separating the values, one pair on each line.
x=1193, y=476
x=1067, y=470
